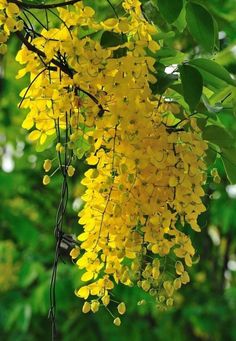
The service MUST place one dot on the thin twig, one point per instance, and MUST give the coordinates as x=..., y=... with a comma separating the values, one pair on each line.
x=43, y=6
x=31, y=85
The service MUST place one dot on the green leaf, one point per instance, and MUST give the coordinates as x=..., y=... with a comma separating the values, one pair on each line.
x=83, y=144
x=229, y=161
x=217, y=135
x=178, y=59
x=202, y=122
x=42, y=147
x=150, y=12
x=211, y=70
x=121, y=52
x=80, y=153
x=29, y=272
x=210, y=158
x=177, y=88
x=164, y=80
x=40, y=298
x=166, y=52
x=224, y=96
x=170, y=9
x=181, y=23
x=192, y=84
x=13, y=315
x=169, y=56
x=201, y=25
x=164, y=35
x=211, y=109
x=111, y=39
x=216, y=29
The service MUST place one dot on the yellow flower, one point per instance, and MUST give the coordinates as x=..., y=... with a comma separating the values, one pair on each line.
x=47, y=165
x=117, y=321
x=74, y=253
x=70, y=170
x=86, y=307
x=46, y=180
x=121, y=308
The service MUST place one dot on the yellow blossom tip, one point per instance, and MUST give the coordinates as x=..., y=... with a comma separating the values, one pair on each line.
x=46, y=180
x=117, y=321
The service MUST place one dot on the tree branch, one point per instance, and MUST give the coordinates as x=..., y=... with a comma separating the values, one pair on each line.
x=34, y=49
x=43, y=6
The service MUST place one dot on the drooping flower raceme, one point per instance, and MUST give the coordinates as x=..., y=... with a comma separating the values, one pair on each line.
x=146, y=165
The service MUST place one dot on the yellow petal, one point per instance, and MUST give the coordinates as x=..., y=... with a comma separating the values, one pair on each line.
x=95, y=306
x=117, y=321
x=83, y=292
x=173, y=181
x=92, y=160
x=46, y=180
x=188, y=260
x=106, y=300
x=121, y=308
x=153, y=46
x=47, y=165
x=86, y=307
x=110, y=23
x=179, y=268
x=83, y=236
x=88, y=11
x=87, y=276
x=70, y=170
x=34, y=135
x=28, y=123
x=12, y=9
x=75, y=253
x=43, y=138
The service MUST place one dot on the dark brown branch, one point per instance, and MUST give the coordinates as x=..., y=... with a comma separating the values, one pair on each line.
x=43, y=6
x=34, y=49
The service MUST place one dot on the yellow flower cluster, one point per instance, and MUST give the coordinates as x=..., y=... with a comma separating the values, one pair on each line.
x=9, y=22
x=144, y=185
x=145, y=188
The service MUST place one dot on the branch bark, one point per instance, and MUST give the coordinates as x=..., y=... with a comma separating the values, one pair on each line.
x=42, y=6
x=34, y=49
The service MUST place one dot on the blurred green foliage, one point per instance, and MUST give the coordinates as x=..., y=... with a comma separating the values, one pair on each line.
x=204, y=310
